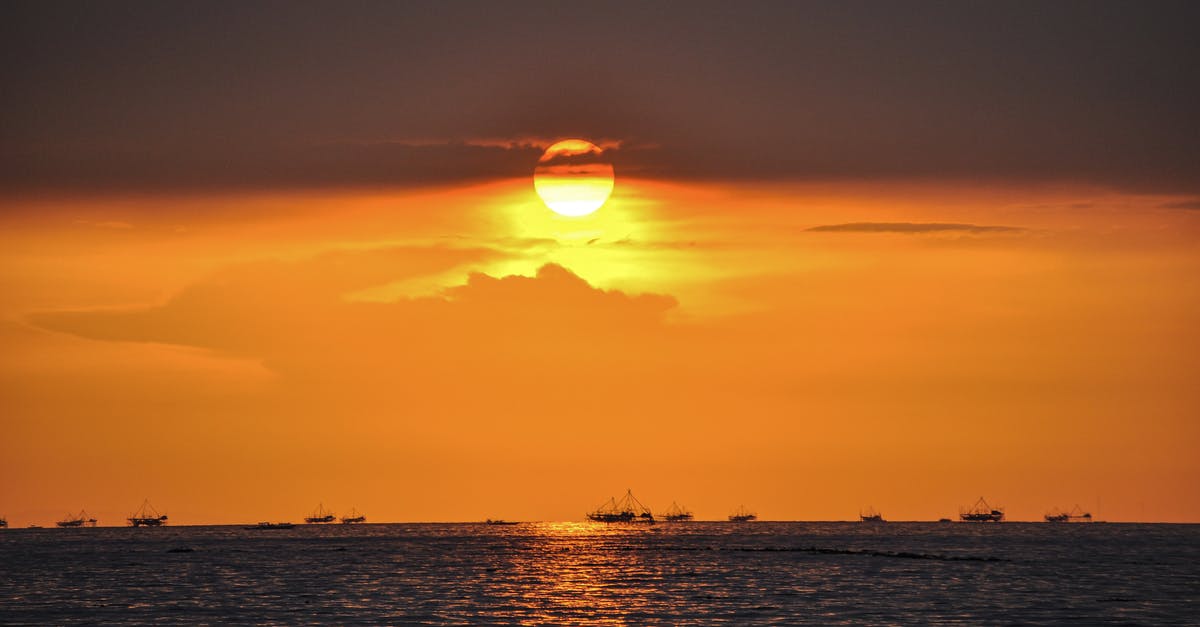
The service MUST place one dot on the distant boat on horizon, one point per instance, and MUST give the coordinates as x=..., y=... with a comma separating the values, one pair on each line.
x=270, y=525
x=675, y=513
x=499, y=521
x=1075, y=515
x=741, y=514
x=3, y=523
x=147, y=516
x=353, y=518
x=79, y=520
x=871, y=516
x=321, y=516
x=981, y=512
x=627, y=510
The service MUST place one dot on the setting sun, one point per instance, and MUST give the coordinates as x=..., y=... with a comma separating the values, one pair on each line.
x=573, y=178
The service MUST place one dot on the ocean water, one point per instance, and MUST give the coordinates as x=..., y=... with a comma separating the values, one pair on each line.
x=584, y=573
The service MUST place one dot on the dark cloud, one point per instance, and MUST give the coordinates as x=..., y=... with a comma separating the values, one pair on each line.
x=134, y=95
x=335, y=164
x=911, y=227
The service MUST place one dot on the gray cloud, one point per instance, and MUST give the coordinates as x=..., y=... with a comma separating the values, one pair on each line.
x=299, y=165
x=911, y=227
x=143, y=95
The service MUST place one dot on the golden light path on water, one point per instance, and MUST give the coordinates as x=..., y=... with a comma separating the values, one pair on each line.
x=585, y=569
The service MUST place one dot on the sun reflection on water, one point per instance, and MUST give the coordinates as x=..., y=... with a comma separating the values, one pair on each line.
x=581, y=573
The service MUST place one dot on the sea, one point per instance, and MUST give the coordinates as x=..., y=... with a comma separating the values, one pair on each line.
x=697, y=573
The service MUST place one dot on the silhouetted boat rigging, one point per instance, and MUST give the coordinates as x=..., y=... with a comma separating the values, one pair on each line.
x=741, y=514
x=321, y=516
x=1075, y=515
x=675, y=513
x=79, y=520
x=271, y=525
x=497, y=521
x=353, y=518
x=871, y=516
x=627, y=510
x=147, y=516
x=981, y=512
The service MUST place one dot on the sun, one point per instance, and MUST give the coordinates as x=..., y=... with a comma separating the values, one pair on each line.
x=573, y=178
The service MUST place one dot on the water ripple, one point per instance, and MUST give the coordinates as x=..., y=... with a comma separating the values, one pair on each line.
x=580, y=573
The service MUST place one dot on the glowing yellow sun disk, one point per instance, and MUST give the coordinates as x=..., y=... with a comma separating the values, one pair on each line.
x=573, y=178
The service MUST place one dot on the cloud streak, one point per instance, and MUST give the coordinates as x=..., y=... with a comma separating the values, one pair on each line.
x=1189, y=205
x=912, y=228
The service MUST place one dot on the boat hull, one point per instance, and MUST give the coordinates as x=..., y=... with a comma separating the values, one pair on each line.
x=986, y=517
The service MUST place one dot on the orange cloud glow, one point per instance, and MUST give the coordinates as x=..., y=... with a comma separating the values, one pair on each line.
x=452, y=354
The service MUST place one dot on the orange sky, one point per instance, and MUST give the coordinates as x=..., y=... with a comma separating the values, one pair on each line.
x=460, y=353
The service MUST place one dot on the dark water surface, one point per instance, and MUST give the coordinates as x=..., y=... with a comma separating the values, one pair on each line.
x=582, y=573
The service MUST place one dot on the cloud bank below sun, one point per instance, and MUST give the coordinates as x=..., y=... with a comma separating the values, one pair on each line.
x=285, y=313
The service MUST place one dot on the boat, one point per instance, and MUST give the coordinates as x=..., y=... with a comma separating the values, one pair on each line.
x=498, y=521
x=981, y=512
x=1075, y=515
x=321, y=516
x=270, y=525
x=627, y=510
x=675, y=513
x=871, y=516
x=353, y=518
x=147, y=516
x=741, y=514
x=79, y=520
x=3, y=523
x=944, y=520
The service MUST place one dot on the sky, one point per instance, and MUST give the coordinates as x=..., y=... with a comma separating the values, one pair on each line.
x=260, y=256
